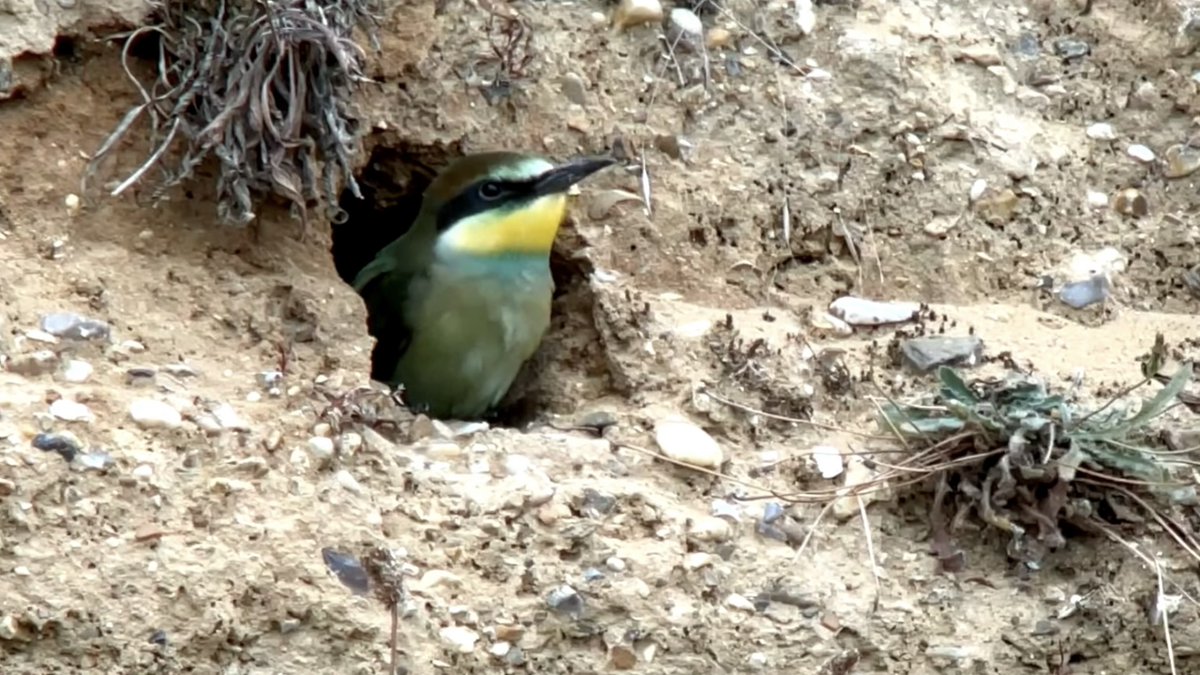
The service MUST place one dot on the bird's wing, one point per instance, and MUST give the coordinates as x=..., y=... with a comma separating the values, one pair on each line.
x=384, y=285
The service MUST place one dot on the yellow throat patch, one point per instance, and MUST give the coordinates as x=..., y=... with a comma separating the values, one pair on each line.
x=529, y=229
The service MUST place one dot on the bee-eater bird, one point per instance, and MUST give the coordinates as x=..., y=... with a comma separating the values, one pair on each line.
x=459, y=302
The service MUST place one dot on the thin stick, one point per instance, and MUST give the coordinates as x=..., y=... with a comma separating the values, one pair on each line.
x=866, y=523
x=1161, y=607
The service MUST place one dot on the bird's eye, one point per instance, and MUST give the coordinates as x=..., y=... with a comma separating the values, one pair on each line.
x=490, y=191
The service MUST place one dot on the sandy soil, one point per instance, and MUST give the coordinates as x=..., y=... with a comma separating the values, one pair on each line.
x=198, y=548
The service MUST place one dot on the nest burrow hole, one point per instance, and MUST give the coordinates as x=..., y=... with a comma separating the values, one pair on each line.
x=392, y=184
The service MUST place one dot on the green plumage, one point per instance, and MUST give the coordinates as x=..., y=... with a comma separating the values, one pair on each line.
x=458, y=326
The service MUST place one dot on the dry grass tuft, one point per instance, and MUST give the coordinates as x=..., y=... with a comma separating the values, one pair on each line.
x=262, y=86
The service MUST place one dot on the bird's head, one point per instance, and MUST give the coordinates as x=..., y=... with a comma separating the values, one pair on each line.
x=503, y=203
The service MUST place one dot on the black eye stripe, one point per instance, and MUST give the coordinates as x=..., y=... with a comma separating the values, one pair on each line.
x=469, y=202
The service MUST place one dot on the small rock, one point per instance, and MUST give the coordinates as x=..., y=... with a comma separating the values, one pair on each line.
x=739, y=602
x=599, y=420
x=1097, y=199
x=96, y=460
x=697, y=559
x=829, y=463
x=143, y=472
x=718, y=38
x=939, y=226
x=637, y=12
x=509, y=632
x=461, y=638
x=517, y=465
x=860, y=312
x=710, y=529
x=1080, y=294
x=7, y=487
x=615, y=564
x=9, y=628
x=621, y=657
x=140, y=377
x=77, y=371
x=1180, y=161
x=71, y=411
x=348, y=482
x=1131, y=202
x=566, y=600
x=64, y=443
x=74, y=327
x=806, y=16
x=321, y=447
x=181, y=370
x=150, y=413
x=981, y=55
x=687, y=443
x=1141, y=153
x=1102, y=131
x=500, y=649
x=924, y=354
x=1068, y=48
x=685, y=30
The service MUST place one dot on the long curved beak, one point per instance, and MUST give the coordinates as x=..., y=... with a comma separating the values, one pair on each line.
x=562, y=177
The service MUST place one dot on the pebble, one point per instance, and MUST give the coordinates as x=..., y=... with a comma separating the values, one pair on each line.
x=825, y=323
x=9, y=628
x=566, y=600
x=463, y=639
x=77, y=371
x=574, y=89
x=321, y=447
x=718, y=37
x=615, y=564
x=710, y=529
x=1131, y=202
x=1180, y=161
x=75, y=327
x=1069, y=48
x=97, y=460
x=806, y=16
x=686, y=22
x=685, y=442
x=350, y=442
x=1102, y=131
x=982, y=55
x=924, y=354
x=150, y=413
x=64, y=443
x=828, y=460
x=697, y=559
x=348, y=482
x=1097, y=199
x=71, y=411
x=739, y=602
x=1080, y=294
x=861, y=312
x=637, y=12
x=1141, y=153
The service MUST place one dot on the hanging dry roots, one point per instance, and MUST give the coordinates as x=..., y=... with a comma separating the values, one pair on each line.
x=263, y=87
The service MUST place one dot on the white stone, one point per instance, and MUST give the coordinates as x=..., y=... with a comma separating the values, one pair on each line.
x=685, y=442
x=828, y=460
x=806, y=16
x=460, y=637
x=77, y=371
x=321, y=447
x=1102, y=131
x=149, y=413
x=861, y=312
x=687, y=21
x=71, y=411
x=1141, y=153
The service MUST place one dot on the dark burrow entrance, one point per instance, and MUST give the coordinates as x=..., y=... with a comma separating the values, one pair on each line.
x=392, y=183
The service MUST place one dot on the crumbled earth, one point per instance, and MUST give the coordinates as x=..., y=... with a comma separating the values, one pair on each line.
x=171, y=473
